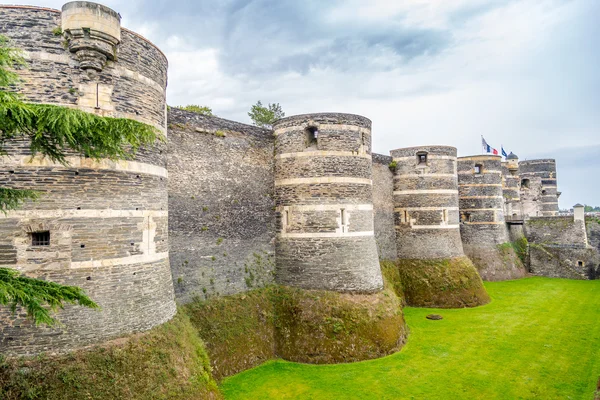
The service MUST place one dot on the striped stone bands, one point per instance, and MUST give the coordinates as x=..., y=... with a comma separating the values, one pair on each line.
x=326, y=127
x=470, y=172
x=323, y=153
x=106, y=213
x=109, y=262
x=481, y=197
x=300, y=235
x=401, y=176
x=429, y=157
x=328, y=207
x=81, y=162
x=427, y=191
x=480, y=184
x=440, y=208
x=65, y=59
x=321, y=180
x=428, y=226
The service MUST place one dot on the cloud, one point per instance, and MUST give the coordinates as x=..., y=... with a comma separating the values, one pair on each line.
x=522, y=73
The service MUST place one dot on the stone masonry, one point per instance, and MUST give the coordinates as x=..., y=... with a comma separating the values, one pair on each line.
x=324, y=203
x=106, y=220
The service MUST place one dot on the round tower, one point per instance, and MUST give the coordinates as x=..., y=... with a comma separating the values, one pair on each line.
x=99, y=224
x=483, y=228
x=323, y=190
x=426, y=203
x=431, y=259
x=539, y=194
x=513, y=210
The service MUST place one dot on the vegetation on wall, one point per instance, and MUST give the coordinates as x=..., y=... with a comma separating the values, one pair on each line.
x=53, y=131
x=202, y=110
x=446, y=283
x=264, y=117
x=168, y=362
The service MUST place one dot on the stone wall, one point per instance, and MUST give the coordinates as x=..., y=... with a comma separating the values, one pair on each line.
x=558, y=247
x=324, y=203
x=483, y=229
x=221, y=227
x=106, y=220
x=426, y=203
x=383, y=207
x=540, y=196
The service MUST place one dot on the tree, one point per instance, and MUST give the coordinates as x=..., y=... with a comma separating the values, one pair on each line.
x=265, y=116
x=202, y=110
x=52, y=131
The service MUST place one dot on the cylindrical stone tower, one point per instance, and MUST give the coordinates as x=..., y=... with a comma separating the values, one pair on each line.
x=510, y=188
x=99, y=224
x=539, y=194
x=483, y=228
x=323, y=190
x=434, y=270
x=426, y=203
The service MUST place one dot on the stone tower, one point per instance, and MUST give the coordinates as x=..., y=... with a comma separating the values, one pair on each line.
x=432, y=263
x=510, y=188
x=426, y=203
x=323, y=192
x=100, y=225
x=539, y=195
x=483, y=228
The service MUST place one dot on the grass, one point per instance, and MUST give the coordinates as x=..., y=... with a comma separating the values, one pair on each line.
x=539, y=338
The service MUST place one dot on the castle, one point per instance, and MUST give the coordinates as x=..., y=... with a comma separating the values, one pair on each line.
x=226, y=207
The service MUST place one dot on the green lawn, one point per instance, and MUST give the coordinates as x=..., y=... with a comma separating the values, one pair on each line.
x=539, y=338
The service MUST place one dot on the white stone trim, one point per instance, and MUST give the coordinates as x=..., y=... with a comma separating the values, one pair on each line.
x=428, y=226
x=323, y=153
x=415, y=175
x=294, y=235
x=323, y=127
x=325, y=179
x=470, y=172
x=328, y=207
x=110, y=262
x=429, y=157
x=482, y=197
x=82, y=162
x=427, y=191
x=479, y=184
x=440, y=208
x=101, y=213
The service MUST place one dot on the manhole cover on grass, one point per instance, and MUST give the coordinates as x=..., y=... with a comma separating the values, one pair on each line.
x=434, y=317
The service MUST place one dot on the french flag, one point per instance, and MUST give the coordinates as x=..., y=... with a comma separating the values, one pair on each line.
x=487, y=148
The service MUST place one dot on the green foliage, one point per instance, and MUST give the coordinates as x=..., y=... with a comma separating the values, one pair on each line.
x=33, y=294
x=546, y=329
x=393, y=165
x=11, y=199
x=587, y=208
x=57, y=31
x=202, y=110
x=264, y=117
x=168, y=362
x=52, y=131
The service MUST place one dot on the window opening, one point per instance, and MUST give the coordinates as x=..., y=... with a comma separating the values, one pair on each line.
x=40, y=238
x=525, y=183
x=445, y=216
x=478, y=168
x=312, y=134
x=580, y=263
x=343, y=220
x=421, y=158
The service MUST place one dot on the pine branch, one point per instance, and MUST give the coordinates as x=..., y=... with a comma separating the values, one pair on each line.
x=38, y=297
x=11, y=199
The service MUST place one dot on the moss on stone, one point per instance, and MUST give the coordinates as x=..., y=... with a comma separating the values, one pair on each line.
x=445, y=283
x=168, y=362
x=238, y=330
x=500, y=263
x=316, y=326
x=391, y=278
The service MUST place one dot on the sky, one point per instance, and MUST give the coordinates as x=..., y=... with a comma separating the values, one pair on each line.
x=524, y=74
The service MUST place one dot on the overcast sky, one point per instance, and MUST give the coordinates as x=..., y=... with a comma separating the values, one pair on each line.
x=525, y=74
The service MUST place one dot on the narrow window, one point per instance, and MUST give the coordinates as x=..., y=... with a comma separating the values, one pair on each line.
x=312, y=133
x=445, y=216
x=343, y=220
x=285, y=220
x=40, y=238
x=465, y=217
x=543, y=191
x=525, y=183
x=580, y=263
x=405, y=217
x=422, y=158
x=478, y=168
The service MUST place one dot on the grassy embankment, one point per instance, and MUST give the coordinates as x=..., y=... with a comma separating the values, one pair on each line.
x=539, y=338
